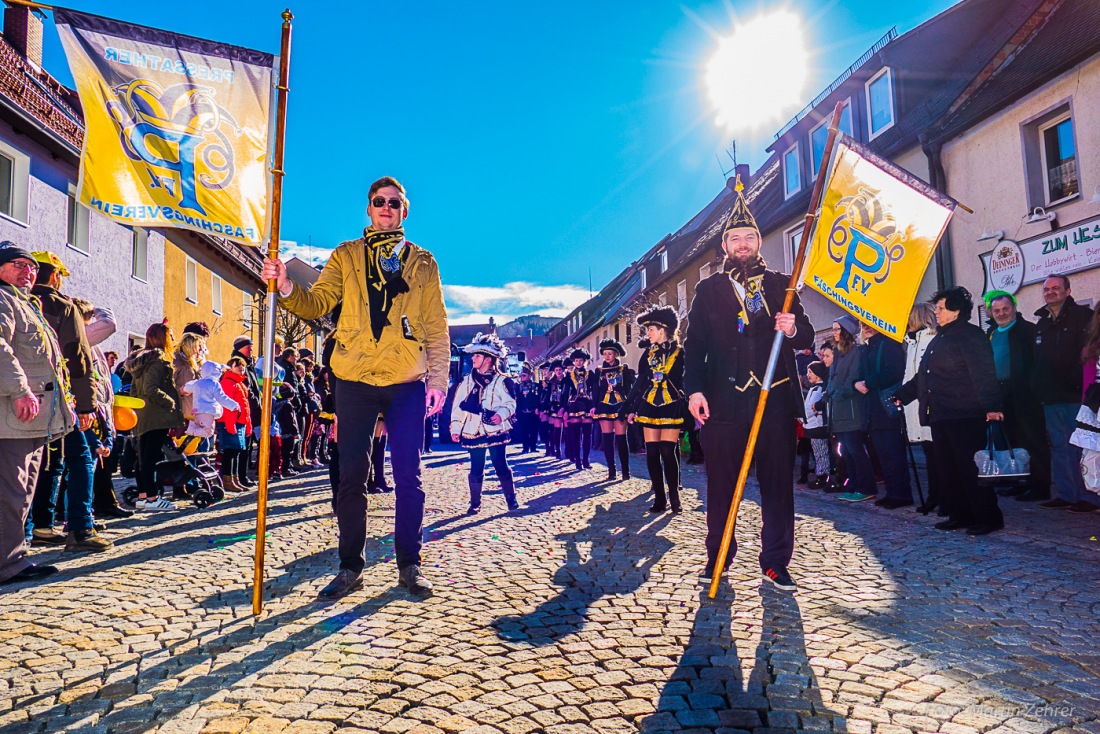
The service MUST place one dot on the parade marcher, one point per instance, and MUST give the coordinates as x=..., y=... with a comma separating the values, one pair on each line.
x=957, y=394
x=614, y=380
x=1013, y=340
x=33, y=401
x=481, y=417
x=391, y=357
x=527, y=410
x=553, y=404
x=79, y=462
x=731, y=328
x=544, y=414
x=883, y=370
x=658, y=403
x=580, y=386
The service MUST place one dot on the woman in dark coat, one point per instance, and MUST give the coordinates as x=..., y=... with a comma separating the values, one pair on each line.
x=151, y=369
x=957, y=395
x=848, y=411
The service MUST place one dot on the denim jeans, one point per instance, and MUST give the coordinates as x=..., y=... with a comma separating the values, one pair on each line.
x=861, y=476
x=890, y=447
x=79, y=477
x=402, y=407
x=1065, y=458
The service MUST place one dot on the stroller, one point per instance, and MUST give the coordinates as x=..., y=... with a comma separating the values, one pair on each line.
x=189, y=472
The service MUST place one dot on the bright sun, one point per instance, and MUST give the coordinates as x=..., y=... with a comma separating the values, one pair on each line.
x=758, y=72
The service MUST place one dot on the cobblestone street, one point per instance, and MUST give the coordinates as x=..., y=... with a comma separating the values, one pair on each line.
x=581, y=613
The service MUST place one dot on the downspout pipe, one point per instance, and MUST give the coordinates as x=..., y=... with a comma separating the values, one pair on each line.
x=945, y=270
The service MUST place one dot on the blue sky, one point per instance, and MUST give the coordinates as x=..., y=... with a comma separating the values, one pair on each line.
x=538, y=142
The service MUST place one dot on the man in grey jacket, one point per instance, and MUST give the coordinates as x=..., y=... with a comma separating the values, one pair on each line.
x=33, y=403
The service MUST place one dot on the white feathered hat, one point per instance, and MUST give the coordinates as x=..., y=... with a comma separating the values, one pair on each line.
x=489, y=344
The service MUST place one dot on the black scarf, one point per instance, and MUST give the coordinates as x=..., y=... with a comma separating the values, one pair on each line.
x=472, y=402
x=384, y=279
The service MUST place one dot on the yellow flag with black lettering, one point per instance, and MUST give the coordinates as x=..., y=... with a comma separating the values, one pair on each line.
x=875, y=236
x=177, y=129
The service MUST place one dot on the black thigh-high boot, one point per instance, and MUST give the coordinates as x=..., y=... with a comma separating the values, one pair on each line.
x=677, y=449
x=547, y=433
x=653, y=462
x=624, y=455
x=555, y=441
x=586, y=444
x=378, y=464
x=609, y=454
x=671, y=459
x=574, y=444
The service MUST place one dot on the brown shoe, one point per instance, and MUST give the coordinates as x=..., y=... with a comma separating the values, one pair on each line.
x=1083, y=507
x=230, y=484
x=88, y=540
x=1056, y=504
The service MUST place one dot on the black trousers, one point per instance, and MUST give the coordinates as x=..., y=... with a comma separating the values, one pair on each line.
x=956, y=442
x=889, y=444
x=528, y=430
x=402, y=407
x=1027, y=429
x=724, y=450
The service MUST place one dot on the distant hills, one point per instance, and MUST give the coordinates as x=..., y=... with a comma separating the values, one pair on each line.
x=521, y=325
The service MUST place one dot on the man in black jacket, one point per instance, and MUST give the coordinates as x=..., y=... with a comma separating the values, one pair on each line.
x=883, y=366
x=1056, y=380
x=1013, y=340
x=731, y=327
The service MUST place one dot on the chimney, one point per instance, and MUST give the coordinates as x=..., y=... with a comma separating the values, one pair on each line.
x=23, y=32
x=742, y=170
x=492, y=325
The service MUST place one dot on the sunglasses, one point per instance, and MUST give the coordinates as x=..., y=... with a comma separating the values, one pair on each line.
x=380, y=201
x=29, y=267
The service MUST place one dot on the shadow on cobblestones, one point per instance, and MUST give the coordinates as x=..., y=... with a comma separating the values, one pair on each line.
x=603, y=559
x=773, y=689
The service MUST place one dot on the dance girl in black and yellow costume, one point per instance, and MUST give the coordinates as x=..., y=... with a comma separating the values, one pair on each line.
x=553, y=405
x=580, y=386
x=613, y=382
x=658, y=403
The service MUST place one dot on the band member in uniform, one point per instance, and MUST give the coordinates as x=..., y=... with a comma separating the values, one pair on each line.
x=580, y=386
x=544, y=414
x=657, y=402
x=731, y=327
x=481, y=417
x=613, y=382
x=527, y=409
x=554, y=406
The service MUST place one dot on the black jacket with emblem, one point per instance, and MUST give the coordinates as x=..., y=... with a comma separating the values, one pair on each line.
x=727, y=365
x=1056, y=374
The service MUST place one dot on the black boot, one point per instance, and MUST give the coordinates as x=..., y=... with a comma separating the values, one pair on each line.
x=475, y=496
x=378, y=465
x=575, y=444
x=609, y=454
x=586, y=445
x=670, y=458
x=653, y=462
x=624, y=455
x=508, y=486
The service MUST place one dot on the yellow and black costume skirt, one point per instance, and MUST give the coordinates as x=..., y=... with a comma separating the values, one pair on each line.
x=668, y=415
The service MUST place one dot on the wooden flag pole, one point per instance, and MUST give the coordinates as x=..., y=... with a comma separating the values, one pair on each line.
x=269, y=324
x=773, y=359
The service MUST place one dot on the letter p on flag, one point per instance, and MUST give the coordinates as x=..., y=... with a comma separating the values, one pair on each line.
x=874, y=237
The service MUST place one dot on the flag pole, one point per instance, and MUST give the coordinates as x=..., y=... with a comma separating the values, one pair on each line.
x=773, y=358
x=269, y=323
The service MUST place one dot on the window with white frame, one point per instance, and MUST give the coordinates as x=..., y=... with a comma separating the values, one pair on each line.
x=682, y=297
x=662, y=299
x=216, y=293
x=1050, y=156
x=704, y=271
x=77, y=234
x=1059, y=160
x=791, y=239
x=15, y=169
x=643, y=277
x=139, y=258
x=820, y=134
x=664, y=260
x=792, y=174
x=191, y=280
x=880, y=103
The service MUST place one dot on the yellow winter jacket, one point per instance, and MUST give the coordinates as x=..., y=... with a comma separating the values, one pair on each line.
x=398, y=357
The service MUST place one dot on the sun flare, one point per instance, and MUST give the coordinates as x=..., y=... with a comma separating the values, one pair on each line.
x=758, y=72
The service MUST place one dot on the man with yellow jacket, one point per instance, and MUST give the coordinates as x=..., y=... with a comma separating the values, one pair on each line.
x=391, y=358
